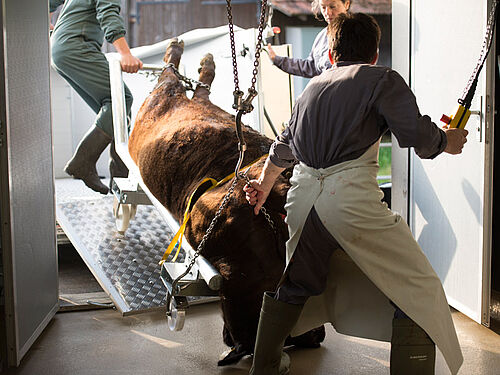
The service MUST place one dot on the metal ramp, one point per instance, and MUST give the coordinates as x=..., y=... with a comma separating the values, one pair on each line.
x=125, y=265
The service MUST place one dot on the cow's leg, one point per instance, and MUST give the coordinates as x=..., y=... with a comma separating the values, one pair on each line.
x=207, y=74
x=174, y=52
x=168, y=83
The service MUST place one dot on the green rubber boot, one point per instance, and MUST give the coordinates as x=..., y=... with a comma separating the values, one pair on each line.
x=277, y=319
x=82, y=164
x=412, y=350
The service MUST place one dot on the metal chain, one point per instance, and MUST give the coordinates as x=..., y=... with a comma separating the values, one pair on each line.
x=262, y=209
x=201, y=245
x=242, y=107
x=240, y=104
x=233, y=45
x=188, y=82
x=484, y=50
x=258, y=47
x=209, y=231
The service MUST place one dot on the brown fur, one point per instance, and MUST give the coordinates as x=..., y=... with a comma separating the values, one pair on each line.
x=176, y=142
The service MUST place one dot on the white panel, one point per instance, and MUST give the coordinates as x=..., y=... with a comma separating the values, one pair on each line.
x=447, y=194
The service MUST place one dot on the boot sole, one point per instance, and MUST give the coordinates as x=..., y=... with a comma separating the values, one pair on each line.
x=104, y=190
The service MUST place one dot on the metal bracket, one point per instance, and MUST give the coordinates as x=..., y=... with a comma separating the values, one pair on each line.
x=128, y=191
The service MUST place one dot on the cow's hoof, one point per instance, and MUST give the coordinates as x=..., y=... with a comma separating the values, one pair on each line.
x=207, y=62
x=233, y=355
x=310, y=339
x=174, y=51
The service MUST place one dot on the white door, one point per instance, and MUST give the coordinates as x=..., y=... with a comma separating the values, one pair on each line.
x=449, y=197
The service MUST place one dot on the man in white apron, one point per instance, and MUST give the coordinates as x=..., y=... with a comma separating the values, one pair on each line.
x=382, y=275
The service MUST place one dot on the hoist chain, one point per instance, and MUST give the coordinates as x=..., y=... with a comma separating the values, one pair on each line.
x=233, y=47
x=488, y=39
x=240, y=104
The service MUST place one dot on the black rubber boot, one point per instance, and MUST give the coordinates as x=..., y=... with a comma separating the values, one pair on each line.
x=117, y=167
x=277, y=319
x=82, y=164
x=412, y=350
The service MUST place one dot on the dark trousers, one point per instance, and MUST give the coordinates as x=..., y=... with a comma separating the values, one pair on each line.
x=308, y=270
x=86, y=69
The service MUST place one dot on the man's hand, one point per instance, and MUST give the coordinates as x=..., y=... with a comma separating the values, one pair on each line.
x=272, y=54
x=256, y=194
x=456, y=140
x=130, y=63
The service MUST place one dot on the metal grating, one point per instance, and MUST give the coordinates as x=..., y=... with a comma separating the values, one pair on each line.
x=125, y=265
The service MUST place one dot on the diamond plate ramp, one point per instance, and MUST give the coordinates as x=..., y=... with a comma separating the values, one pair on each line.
x=126, y=266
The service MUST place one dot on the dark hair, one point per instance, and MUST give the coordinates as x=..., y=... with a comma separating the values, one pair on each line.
x=353, y=37
x=316, y=9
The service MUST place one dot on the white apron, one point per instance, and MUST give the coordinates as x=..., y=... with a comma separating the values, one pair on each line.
x=382, y=260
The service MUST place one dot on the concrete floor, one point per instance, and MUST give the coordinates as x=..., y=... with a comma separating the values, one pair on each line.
x=103, y=342
x=99, y=342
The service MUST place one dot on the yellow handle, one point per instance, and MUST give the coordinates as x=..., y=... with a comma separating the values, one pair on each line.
x=461, y=117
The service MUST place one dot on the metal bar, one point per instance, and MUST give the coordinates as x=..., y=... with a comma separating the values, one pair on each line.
x=152, y=67
x=270, y=122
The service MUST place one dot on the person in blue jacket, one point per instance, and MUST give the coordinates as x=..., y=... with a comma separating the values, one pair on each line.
x=318, y=60
x=76, y=43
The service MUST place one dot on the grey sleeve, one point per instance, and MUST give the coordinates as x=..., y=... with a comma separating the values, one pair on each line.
x=108, y=15
x=54, y=4
x=396, y=103
x=280, y=153
x=299, y=67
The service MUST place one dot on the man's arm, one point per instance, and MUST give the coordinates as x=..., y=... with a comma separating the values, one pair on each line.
x=397, y=105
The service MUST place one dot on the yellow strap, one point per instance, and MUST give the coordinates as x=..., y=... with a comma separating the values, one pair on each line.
x=187, y=214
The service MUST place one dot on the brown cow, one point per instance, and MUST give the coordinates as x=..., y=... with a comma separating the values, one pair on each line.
x=177, y=142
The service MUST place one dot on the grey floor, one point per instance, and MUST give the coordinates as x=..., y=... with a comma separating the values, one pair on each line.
x=99, y=342
x=96, y=342
x=102, y=342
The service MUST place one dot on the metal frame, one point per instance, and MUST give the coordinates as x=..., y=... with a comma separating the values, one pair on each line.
x=206, y=271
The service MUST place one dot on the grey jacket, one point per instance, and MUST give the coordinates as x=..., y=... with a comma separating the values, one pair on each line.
x=345, y=110
x=316, y=63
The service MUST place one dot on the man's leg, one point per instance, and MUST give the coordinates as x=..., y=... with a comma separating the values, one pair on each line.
x=306, y=275
x=87, y=71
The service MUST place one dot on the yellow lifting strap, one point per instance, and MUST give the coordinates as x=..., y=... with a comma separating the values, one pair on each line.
x=205, y=185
